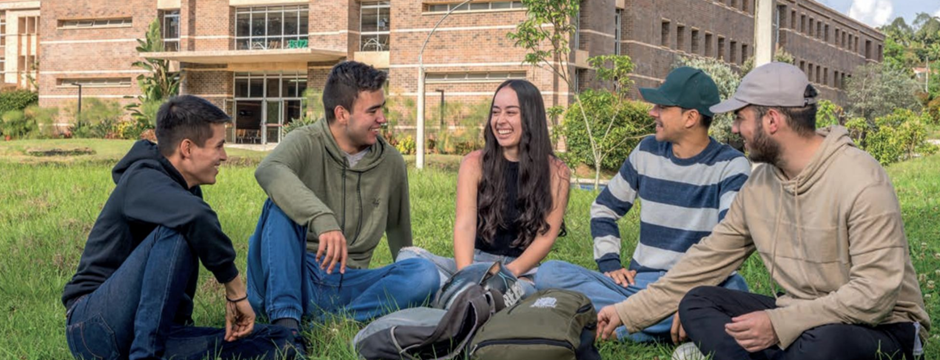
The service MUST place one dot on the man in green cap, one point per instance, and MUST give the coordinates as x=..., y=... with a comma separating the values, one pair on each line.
x=686, y=181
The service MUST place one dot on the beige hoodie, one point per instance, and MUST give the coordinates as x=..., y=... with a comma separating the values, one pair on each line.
x=832, y=238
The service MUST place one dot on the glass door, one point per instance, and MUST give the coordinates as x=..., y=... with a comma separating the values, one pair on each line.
x=272, y=121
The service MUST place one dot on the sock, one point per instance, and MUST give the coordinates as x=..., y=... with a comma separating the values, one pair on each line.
x=289, y=323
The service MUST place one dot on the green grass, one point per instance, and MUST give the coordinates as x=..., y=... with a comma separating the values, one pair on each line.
x=49, y=206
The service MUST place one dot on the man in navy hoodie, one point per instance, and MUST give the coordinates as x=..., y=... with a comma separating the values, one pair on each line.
x=132, y=296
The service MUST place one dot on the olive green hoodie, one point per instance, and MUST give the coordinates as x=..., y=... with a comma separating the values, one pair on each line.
x=832, y=238
x=309, y=178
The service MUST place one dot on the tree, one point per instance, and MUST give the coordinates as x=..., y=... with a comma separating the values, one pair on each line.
x=158, y=84
x=544, y=34
x=780, y=55
x=875, y=90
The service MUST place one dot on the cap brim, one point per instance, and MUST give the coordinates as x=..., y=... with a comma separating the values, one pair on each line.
x=654, y=96
x=727, y=106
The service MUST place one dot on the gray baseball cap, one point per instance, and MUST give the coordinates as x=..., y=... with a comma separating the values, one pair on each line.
x=774, y=84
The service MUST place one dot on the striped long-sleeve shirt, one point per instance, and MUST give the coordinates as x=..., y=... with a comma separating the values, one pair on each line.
x=683, y=199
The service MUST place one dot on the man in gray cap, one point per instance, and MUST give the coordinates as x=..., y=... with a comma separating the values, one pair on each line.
x=826, y=222
x=685, y=181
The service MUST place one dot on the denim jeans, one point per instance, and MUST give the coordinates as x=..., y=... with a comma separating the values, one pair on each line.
x=603, y=291
x=137, y=313
x=447, y=267
x=285, y=281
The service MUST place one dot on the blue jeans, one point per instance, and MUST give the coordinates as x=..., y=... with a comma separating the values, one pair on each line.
x=285, y=281
x=447, y=267
x=138, y=313
x=603, y=291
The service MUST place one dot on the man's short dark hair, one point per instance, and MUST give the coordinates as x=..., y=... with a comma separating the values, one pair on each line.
x=346, y=80
x=186, y=117
x=802, y=119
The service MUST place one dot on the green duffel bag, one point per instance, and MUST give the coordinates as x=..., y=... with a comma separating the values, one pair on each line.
x=550, y=324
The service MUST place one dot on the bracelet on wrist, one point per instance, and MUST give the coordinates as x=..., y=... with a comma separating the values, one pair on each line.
x=237, y=300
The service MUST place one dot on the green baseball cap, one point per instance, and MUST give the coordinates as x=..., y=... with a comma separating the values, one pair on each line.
x=685, y=87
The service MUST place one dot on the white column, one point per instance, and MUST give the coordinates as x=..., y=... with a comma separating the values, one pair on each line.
x=764, y=32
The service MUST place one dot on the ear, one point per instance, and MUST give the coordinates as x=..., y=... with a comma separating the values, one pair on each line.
x=341, y=115
x=185, y=149
x=775, y=121
x=690, y=118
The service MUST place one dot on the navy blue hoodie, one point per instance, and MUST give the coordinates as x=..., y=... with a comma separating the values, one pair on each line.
x=150, y=192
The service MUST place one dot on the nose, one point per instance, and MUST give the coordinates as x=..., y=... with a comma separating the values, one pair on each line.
x=735, y=129
x=224, y=155
x=381, y=119
x=654, y=112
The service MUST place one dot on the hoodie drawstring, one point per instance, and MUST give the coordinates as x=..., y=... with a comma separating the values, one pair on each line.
x=773, y=252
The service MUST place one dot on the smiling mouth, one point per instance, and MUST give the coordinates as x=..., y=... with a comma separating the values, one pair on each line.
x=504, y=131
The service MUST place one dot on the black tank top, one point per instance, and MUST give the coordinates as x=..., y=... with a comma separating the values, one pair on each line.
x=504, y=237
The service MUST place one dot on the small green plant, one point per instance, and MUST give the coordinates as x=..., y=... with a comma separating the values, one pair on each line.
x=157, y=85
x=629, y=121
x=406, y=146
x=16, y=125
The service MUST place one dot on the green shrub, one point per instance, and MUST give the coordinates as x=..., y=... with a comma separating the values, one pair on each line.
x=16, y=125
x=894, y=137
x=828, y=114
x=98, y=119
x=631, y=121
x=17, y=100
x=45, y=119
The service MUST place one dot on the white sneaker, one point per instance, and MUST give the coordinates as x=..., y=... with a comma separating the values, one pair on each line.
x=687, y=351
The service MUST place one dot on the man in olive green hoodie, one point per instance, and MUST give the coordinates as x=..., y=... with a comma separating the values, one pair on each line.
x=334, y=188
x=824, y=218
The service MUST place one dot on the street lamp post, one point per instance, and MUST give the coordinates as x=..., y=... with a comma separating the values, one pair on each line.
x=419, y=157
x=79, y=115
x=442, y=106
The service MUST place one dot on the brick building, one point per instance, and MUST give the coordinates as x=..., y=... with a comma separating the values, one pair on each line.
x=19, y=45
x=255, y=58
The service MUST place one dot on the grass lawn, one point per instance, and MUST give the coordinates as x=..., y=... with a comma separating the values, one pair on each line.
x=50, y=204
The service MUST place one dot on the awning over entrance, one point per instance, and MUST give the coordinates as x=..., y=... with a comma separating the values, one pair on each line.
x=248, y=56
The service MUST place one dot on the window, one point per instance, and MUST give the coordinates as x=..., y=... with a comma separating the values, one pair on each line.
x=721, y=48
x=850, y=41
x=618, y=30
x=664, y=41
x=811, y=27
x=374, y=25
x=803, y=66
x=171, y=30
x=779, y=21
x=835, y=79
x=825, y=76
x=818, y=75
x=856, y=44
x=474, y=77
x=475, y=6
x=3, y=29
x=3, y=64
x=803, y=23
x=880, y=53
x=826, y=33
x=745, y=5
x=836, y=36
x=793, y=19
x=95, y=82
x=576, y=80
x=708, y=44
x=276, y=85
x=734, y=52
x=271, y=27
x=744, y=53
x=733, y=3
x=868, y=53
x=680, y=37
x=843, y=39
x=819, y=30
x=695, y=41
x=809, y=71
x=91, y=23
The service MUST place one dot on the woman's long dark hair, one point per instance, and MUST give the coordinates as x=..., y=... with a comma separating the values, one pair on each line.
x=534, y=199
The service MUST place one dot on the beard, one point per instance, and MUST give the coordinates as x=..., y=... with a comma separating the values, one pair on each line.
x=763, y=149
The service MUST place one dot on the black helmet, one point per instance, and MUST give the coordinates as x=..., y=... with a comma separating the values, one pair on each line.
x=493, y=277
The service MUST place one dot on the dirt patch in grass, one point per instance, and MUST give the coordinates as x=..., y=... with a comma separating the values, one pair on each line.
x=60, y=152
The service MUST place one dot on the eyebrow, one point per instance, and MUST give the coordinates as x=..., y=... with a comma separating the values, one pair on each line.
x=376, y=107
x=508, y=107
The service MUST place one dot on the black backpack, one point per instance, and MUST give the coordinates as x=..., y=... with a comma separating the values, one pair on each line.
x=427, y=333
